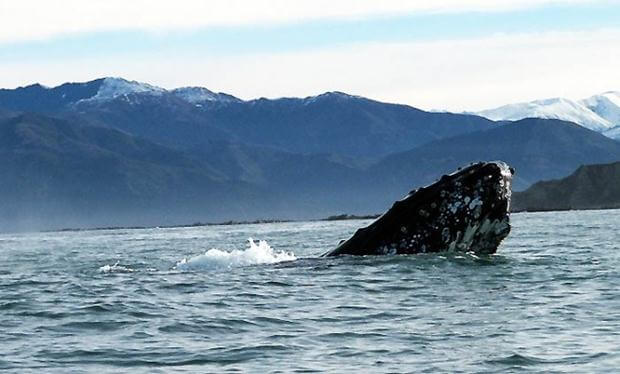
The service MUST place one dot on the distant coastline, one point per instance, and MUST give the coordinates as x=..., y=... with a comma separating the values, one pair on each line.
x=339, y=217
x=569, y=209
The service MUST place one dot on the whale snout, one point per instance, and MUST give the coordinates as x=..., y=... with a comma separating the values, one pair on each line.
x=467, y=210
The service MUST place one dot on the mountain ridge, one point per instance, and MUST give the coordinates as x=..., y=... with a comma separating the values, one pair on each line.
x=589, y=187
x=332, y=122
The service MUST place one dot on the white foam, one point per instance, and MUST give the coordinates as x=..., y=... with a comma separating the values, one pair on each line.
x=116, y=268
x=260, y=253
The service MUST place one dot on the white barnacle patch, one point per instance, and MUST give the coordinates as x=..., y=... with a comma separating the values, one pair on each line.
x=445, y=235
x=468, y=236
x=474, y=203
x=500, y=226
x=477, y=211
x=474, y=235
x=453, y=207
x=453, y=245
x=403, y=229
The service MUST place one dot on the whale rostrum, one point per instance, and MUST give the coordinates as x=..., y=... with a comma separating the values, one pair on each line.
x=466, y=211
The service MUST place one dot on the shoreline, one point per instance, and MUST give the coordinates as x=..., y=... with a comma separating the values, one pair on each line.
x=340, y=217
x=533, y=210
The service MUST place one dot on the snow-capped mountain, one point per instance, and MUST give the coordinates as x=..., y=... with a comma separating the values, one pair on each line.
x=600, y=113
x=613, y=133
x=104, y=90
x=112, y=88
x=606, y=105
x=332, y=95
x=334, y=122
x=556, y=108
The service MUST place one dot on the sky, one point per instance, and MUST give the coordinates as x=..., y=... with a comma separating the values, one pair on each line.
x=452, y=55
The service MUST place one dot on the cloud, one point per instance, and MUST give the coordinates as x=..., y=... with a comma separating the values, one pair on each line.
x=451, y=74
x=23, y=20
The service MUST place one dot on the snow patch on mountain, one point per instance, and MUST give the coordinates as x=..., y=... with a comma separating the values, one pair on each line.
x=335, y=95
x=606, y=105
x=112, y=88
x=197, y=95
x=556, y=108
x=613, y=133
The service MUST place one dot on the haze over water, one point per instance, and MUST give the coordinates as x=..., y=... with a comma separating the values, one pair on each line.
x=126, y=300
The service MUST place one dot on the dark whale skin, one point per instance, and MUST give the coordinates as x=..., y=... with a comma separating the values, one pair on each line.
x=466, y=211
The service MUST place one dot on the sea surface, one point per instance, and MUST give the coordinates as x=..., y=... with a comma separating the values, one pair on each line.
x=206, y=299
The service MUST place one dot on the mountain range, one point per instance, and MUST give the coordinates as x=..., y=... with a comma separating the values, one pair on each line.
x=117, y=152
x=333, y=122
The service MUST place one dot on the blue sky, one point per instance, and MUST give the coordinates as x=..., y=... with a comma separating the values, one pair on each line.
x=449, y=56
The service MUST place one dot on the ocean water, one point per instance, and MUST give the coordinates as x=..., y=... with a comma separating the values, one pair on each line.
x=205, y=299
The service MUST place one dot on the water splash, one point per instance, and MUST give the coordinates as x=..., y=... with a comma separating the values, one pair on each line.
x=258, y=253
x=116, y=268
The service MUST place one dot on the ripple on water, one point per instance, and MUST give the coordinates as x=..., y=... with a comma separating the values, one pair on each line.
x=546, y=302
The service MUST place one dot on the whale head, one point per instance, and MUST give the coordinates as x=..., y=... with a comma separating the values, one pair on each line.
x=466, y=211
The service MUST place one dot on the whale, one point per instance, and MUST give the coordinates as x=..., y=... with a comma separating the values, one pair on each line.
x=465, y=211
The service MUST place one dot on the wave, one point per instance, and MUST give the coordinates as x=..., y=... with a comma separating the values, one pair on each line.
x=258, y=253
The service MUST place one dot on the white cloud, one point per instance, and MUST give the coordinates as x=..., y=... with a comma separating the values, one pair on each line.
x=456, y=75
x=39, y=19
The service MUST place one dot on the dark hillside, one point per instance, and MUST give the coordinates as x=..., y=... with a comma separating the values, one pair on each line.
x=589, y=187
